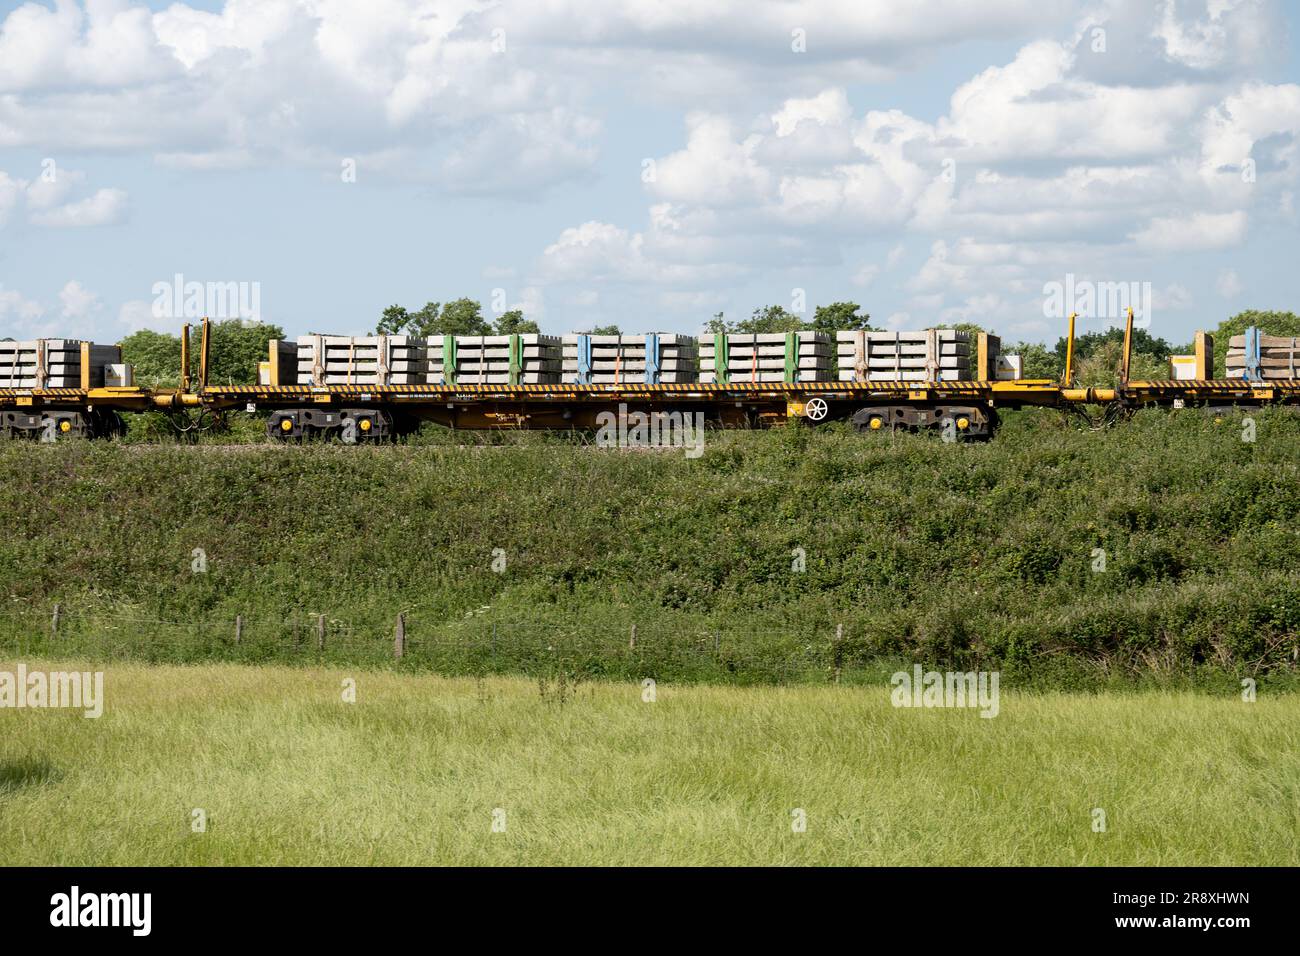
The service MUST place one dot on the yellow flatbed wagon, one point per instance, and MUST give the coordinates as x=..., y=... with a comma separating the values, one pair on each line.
x=968, y=409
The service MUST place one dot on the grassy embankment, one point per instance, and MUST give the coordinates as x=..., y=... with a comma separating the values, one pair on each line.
x=965, y=556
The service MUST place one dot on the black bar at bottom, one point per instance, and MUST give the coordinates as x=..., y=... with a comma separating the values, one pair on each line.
x=945, y=906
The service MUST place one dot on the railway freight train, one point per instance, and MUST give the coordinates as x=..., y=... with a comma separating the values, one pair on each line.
x=373, y=388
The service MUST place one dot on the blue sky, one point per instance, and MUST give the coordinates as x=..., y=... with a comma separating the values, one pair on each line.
x=646, y=164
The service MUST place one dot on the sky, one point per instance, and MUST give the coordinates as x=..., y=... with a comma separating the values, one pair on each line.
x=646, y=164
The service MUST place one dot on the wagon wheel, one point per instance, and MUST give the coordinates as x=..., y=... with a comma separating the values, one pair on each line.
x=816, y=410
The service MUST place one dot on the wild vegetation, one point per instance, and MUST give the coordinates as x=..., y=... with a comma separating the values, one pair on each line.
x=1160, y=550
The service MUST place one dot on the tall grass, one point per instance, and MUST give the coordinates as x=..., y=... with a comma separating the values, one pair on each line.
x=286, y=772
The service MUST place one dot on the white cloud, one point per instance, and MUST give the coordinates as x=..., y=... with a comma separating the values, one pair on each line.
x=78, y=301
x=692, y=302
x=1228, y=284
x=602, y=252
x=1034, y=170
x=976, y=308
x=1062, y=158
x=136, y=314
x=417, y=84
x=828, y=108
x=734, y=44
x=12, y=192
x=1200, y=230
x=50, y=190
x=105, y=207
x=220, y=159
x=866, y=275
x=108, y=44
x=714, y=169
x=20, y=315
x=80, y=313
x=1231, y=131
x=1222, y=32
x=594, y=250
x=1173, y=297
x=448, y=83
x=541, y=149
x=46, y=200
x=532, y=303
x=869, y=272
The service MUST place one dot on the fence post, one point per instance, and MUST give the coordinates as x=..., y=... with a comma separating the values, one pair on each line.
x=54, y=621
x=399, y=638
x=239, y=628
x=839, y=650
x=320, y=632
x=631, y=641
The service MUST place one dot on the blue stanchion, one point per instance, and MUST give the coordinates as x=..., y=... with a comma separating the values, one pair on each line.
x=652, y=358
x=584, y=360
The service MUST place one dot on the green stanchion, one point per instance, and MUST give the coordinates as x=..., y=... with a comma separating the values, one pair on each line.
x=449, y=359
x=516, y=359
x=721, y=357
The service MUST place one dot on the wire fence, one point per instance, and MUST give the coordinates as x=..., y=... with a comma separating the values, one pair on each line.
x=411, y=641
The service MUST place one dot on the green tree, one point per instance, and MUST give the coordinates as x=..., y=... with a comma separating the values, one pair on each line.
x=1099, y=356
x=514, y=323
x=970, y=328
x=1271, y=323
x=234, y=349
x=840, y=317
x=717, y=325
x=768, y=320
x=155, y=358
x=459, y=317
x=394, y=320
x=1087, y=345
x=603, y=330
x=1036, y=359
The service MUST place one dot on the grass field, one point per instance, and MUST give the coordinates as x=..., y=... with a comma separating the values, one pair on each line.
x=411, y=773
